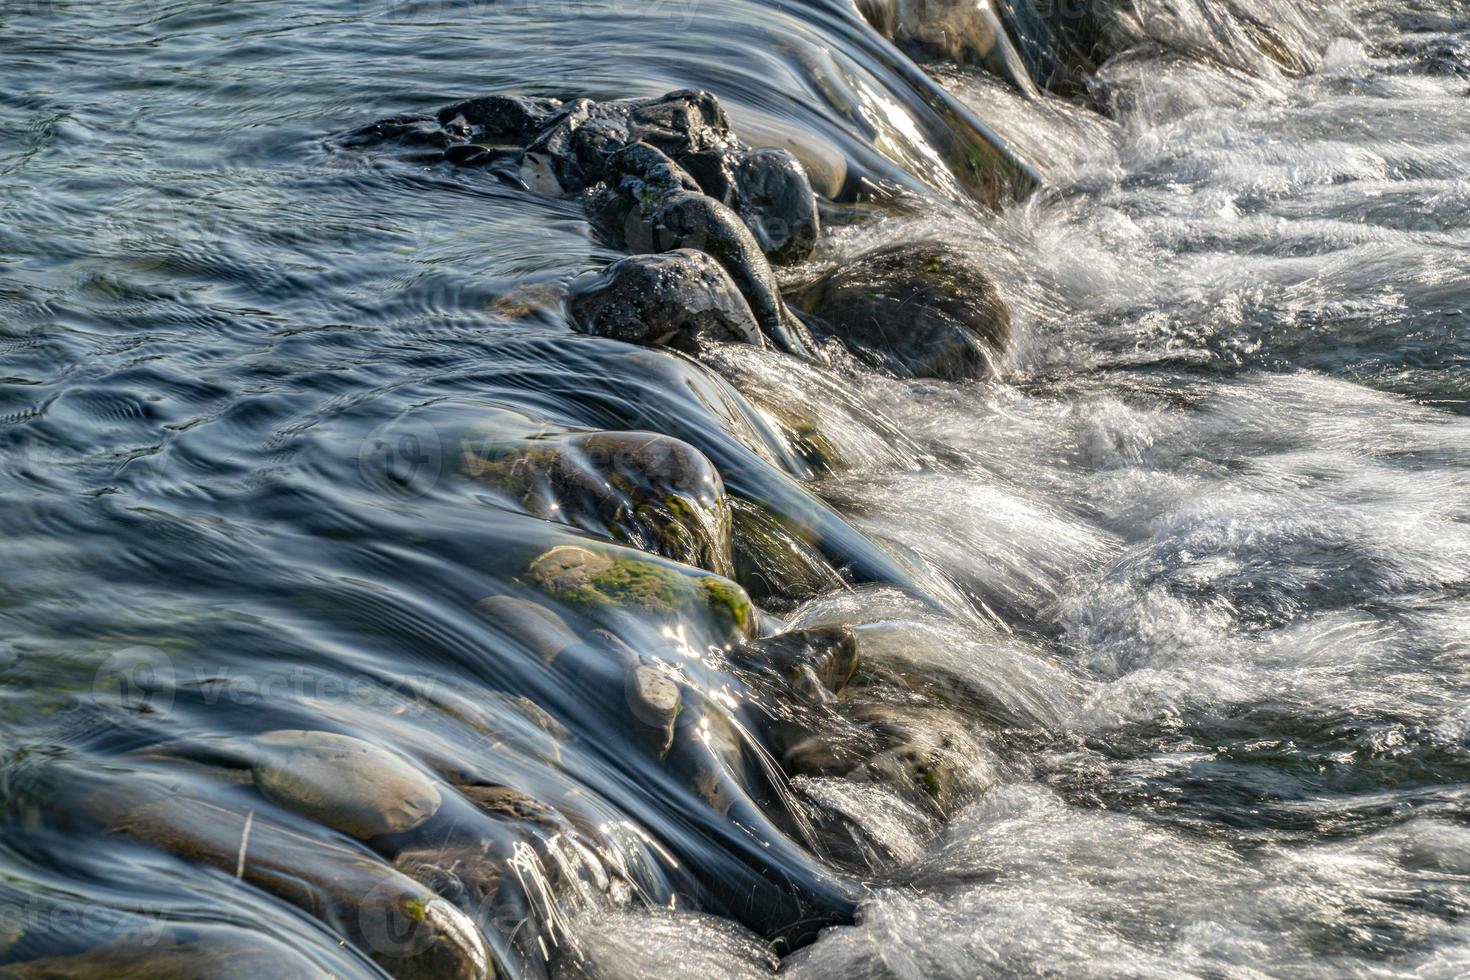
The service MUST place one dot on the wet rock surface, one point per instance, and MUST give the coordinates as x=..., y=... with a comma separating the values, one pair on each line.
x=657, y=175
x=343, y=782
x=682, y=299
x=650, y=204
x=402, y=925
x=643, y=489
x=920, y=309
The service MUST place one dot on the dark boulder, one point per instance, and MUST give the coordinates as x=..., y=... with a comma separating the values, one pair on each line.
x=919, y=310
x=681, y=299
x=651, y=204
x=769, y=190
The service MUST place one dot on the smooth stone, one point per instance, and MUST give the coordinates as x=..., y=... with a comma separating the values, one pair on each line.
x=654, y=702
x=681, y=299
x=651, y=491
x=529, y=623
x=404, y=927
x=343, y=782
x=624, y=581
x=919, y=309
x=210, y=953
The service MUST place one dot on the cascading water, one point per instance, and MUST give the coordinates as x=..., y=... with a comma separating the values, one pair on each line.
x=361, y=618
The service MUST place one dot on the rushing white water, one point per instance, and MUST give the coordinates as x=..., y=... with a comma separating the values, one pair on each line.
x=1225, y=485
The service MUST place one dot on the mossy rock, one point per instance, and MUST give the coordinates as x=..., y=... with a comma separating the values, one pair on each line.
x=610, y=581
x=643, y=489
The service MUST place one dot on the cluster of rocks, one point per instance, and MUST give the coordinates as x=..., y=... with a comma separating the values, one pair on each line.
x=423, y=865
x=705, y=217
x=414, y=863
x=802, y=698
x=656, y=175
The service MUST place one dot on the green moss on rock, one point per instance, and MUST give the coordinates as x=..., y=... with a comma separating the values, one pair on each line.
x=595, y=582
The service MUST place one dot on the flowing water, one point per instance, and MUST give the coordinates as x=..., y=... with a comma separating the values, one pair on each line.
x=1187, y=588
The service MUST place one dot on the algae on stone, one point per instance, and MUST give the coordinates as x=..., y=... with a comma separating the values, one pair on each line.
x=618, y=580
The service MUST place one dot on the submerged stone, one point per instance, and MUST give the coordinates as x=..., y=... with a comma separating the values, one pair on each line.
x=954, y=30
x=343, y=782
x=508, y=803
x=205, y=953
x=775, y=565
x=822, y=659
x=681, y=299
x=621, y=582
x=654, y=702
x=532, y=624
x=403, y=926
x=651, y=491
x=919, y=309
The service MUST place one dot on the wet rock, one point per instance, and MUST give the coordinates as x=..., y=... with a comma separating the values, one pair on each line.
x=808, y=753
x=467, y=877
x=651, y=204
x=681, y=299
x=767, y=188
x=770, y=191
x=620, y=581
x=654, y=701
x=208, y=953
x=927, y=753
x=500, y=120
x=955, y=30
x=519, y=724
x=920, y=309
x=774, y=565
x=343, y=782
x=529, y=299
x=530, y=623
x=566, y=148
x=511, y=861
x=508, y=803
x=402, y=925
x=814, y=661
x=651, y=491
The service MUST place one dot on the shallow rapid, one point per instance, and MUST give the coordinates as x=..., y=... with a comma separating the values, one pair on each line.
x=1142, y=650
